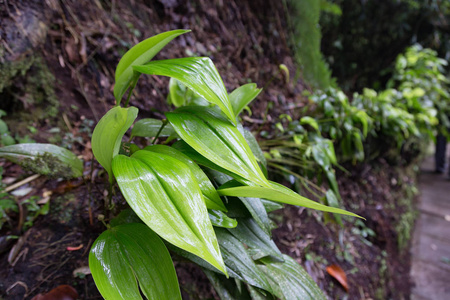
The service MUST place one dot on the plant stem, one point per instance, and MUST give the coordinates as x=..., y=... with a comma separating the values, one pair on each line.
x=164, y=123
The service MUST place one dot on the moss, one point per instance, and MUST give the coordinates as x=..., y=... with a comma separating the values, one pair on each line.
x=27, y=82
x=49, y=165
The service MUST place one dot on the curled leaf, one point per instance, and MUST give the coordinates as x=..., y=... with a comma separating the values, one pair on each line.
x=337, y=273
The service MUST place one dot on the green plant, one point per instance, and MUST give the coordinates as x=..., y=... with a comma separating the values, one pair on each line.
x=304, y=32
x=177, y=201
x=5, y=136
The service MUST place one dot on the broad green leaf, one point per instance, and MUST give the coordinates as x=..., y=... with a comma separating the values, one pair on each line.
x=220, y=219
x=242, y=96
x=227, y=289
x=197, y=73
x=253, y=205
x=138, y=55
x=260, y=243
x=150, y=127
x=108, y=134
x=217, y=140
x=131, y=253
x=177, y=93
x=271, y=205
x=239, y=263
x=166, y=196
x=183, y=147
x=124, y=217
x=253, y=144
x=212, y=199
x=289, y=281
x=46, y=159
x=279, y=193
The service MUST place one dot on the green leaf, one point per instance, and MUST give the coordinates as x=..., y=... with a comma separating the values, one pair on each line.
x=131, y=253
x=220, y=219
x=289, y=281
x=183, y=147
x=212, y=198
x=177, y=92
x=227, y=289
x=239, y=263
x=150, y=127
x=278, y=193
x=138, y=55
x=124, y=217
x=46, y=159
x=310, y=121
x=197, y=73
x=253, y=144
x=254, y=206
x=242, y=96
x=260, y=243
x=108, y=134
x=271, y=205
x=217, y=140
x=165, y=195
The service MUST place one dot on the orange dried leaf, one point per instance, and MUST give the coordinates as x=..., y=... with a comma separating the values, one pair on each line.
x=337, y=273
x=62, y=292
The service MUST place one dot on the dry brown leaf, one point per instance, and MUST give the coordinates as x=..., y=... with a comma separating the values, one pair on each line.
x=62, y=292
x=337, y=273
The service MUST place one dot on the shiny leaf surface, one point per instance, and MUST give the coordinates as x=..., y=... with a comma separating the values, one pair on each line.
x=131, y=253
x=278, y=193
x=150, y=127
x=217, y=140
x=212, y=198
x=197, y=73
x=138, y=55
x=242, y=96
x=290, y=281
x=220, y=219
x=108, y=134
x=239, y=263
x=165, y=195
x=46, y=159
x=260, y=243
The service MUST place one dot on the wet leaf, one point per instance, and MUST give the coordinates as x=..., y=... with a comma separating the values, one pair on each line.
x=197, y=73
x=108, y=134
x=138, y=55
x=150, y=127
x=201, y=160
x=337, y=273
x=260, y=243
x=242, y=96
x=239, y=263
x=220, y=219
x=289, y=281
x=166, y=196
x=131, y=254
x=278, y=193
x=212, y=198
x=217, y=140
x=46, y=159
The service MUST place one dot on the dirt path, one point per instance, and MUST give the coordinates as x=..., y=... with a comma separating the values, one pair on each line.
x=431, y=243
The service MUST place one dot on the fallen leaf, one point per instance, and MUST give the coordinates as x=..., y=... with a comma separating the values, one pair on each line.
x=62, y=292
x=337, y=273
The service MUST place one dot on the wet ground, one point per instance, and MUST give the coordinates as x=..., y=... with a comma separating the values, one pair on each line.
x=430, y=268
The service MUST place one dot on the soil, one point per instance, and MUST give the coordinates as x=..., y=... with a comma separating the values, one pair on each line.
x=81, y=43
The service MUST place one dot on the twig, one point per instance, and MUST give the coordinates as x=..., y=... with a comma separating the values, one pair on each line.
x=20, y=183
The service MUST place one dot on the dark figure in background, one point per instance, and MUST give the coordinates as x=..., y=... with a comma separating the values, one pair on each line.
x=439, y=156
